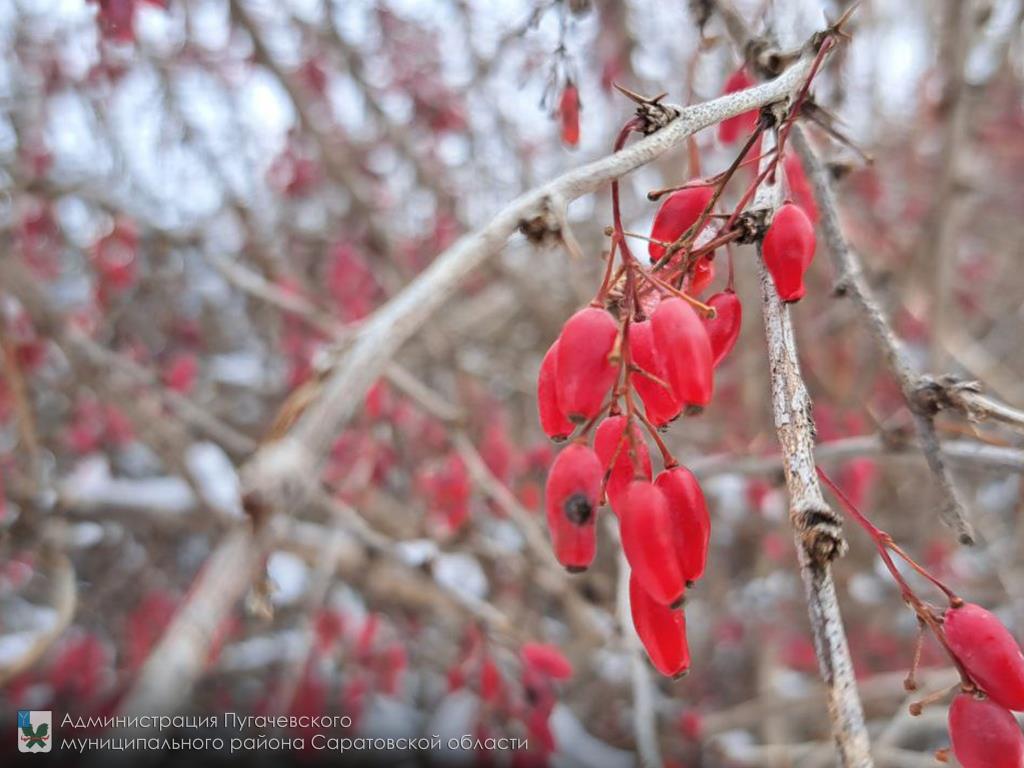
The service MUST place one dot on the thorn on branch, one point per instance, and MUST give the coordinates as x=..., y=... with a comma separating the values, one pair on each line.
x=653, y=115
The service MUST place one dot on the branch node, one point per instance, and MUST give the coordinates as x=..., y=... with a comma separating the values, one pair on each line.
x=820, y=531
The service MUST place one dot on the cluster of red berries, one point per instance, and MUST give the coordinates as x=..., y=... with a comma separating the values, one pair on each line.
x=527, y=699
x=646, y=335
x=644, y=353
x=664, y=521
x=668, y=361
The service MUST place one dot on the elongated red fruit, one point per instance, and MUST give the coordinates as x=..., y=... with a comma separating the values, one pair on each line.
x=677, y=214
x=574, y=484
x=690, y=520
x=788, y=250
x=553, y=420
x=733, y=128
x=800, y=187
x=724, y=328
x=683, y=342
x=608, y=439
x=649, y=542
x=700, y=277
x=662, y=631
x=569, y=114
x=547, y=660
x=984, y=734
x=660, y=402
x=584, y=373
x=989, y=652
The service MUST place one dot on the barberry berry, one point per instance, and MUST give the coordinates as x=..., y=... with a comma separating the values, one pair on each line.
x=649, y=542
x=553, y=420
x=984, y=734
x=702, y=273
x=989, y=653
x=584, y=372
x=788, y=250
x=569, y=115
x=662, y=631
x=609, y=439
x=573, y=488
x=684, y=342
x=724, y=328
x=660, y=402
x=732, y=128
x=691, y=523
x=800, y=187
x=678, y=213
x=546, y=660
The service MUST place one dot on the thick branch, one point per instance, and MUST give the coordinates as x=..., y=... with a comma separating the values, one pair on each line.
x=817, y=527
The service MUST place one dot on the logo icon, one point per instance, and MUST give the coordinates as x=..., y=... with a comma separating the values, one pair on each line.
x=34, y=730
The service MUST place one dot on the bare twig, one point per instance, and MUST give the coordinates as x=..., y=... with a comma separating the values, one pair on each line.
x=963, y=453
x=850, y=282
x=645, y=719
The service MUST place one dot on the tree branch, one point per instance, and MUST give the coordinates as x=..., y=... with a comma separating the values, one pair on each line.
x=850, y=282
x=817, y=527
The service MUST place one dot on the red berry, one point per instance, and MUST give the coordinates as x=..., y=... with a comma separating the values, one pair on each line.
x=788, y=250
x=607, y=440
x=116, y=20
x=661, y=630
x=732, y=128
x=552, y=420
x=989, y=652
x=683, y=340
x=690, y=520
x=574, y=485
x=547, y=660
x=800, y=187
x=584, y=373
x=984, y=734
x=491, y=685
x=701, y=275
x=116, y=257
x=678, y=213
x=180, y=372
x=649, y=542
x=569, y=114
x=660, y=403
x=724, y=328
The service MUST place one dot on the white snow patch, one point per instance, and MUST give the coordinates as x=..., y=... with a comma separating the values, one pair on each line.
x=576, y=747
x=290, y=576
x=454, y=718
x=416, y=552
x=387, y=717
x=216, y=477
x=461, y=573
x=91, y=485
